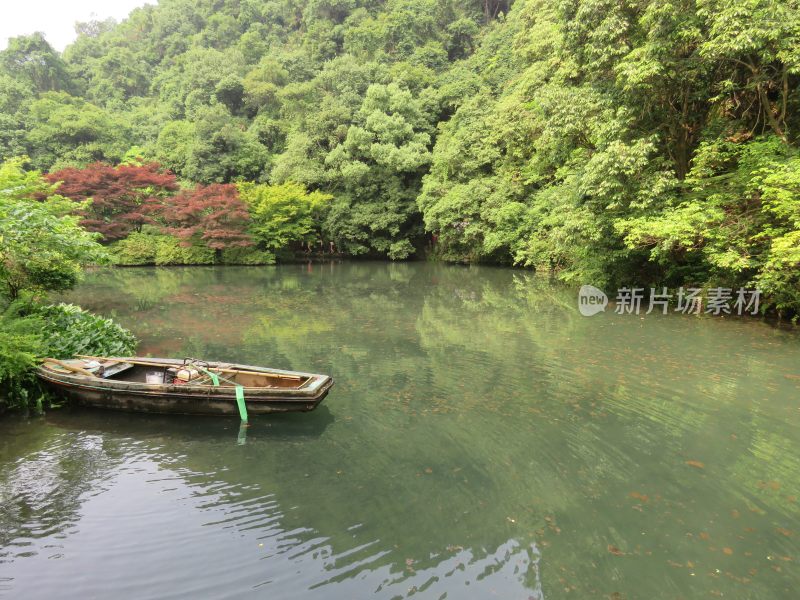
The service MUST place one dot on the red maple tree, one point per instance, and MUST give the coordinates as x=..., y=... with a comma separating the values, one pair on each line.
x=212, y=215
x=122, y=197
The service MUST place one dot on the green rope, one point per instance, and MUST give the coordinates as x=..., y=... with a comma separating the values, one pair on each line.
x=215, y=377
x=240, y=402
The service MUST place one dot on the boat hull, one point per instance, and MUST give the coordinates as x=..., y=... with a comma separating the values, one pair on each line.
x=185, y=399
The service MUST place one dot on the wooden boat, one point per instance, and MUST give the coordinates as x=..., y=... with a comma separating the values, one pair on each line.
x=152, y=385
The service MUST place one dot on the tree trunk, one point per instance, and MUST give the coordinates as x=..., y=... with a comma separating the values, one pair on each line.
x=682, y=153
x=766, y=106
x=491, y=8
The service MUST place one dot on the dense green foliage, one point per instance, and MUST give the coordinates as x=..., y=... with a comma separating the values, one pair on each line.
x=29, y=331
x=71, y=330
x=21, y=343
x=43, y=249
x=151, y=248
x=651, y=142
x=284, y=215
x=42, y=246
x=646, y=142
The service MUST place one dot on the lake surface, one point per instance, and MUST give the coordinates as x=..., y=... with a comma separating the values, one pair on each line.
x=483, y=440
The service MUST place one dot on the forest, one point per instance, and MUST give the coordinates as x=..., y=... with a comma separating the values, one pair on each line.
x=646, y=142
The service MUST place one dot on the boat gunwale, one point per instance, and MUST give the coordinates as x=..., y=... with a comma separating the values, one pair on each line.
x=267, y=396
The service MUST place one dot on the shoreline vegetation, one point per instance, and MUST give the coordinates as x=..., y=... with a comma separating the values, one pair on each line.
x=652, y=144
x=43, y=249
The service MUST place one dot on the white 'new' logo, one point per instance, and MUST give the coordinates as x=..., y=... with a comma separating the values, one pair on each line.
x=591, y=300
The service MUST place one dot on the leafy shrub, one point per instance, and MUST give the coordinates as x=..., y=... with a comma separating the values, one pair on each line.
x=42, y=246
x=169, y=251
x=72, y=330
x=247, y=256
x=20, y=343
x=284, y=215
x=28, y=332
x=144, y=248
x=136, y=249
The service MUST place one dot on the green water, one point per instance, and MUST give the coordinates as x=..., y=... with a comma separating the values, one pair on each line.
x=483, y=440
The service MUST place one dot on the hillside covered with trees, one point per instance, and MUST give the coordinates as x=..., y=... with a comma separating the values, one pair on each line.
x=647, y=142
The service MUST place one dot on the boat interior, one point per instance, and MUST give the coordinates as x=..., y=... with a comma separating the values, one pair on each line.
x=183, y=374
x=248, y=379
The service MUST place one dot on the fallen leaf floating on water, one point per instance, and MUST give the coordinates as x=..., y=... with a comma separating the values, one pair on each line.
x=410, y=565
x=769, y=485
x=615, y=551
x=696, y=464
